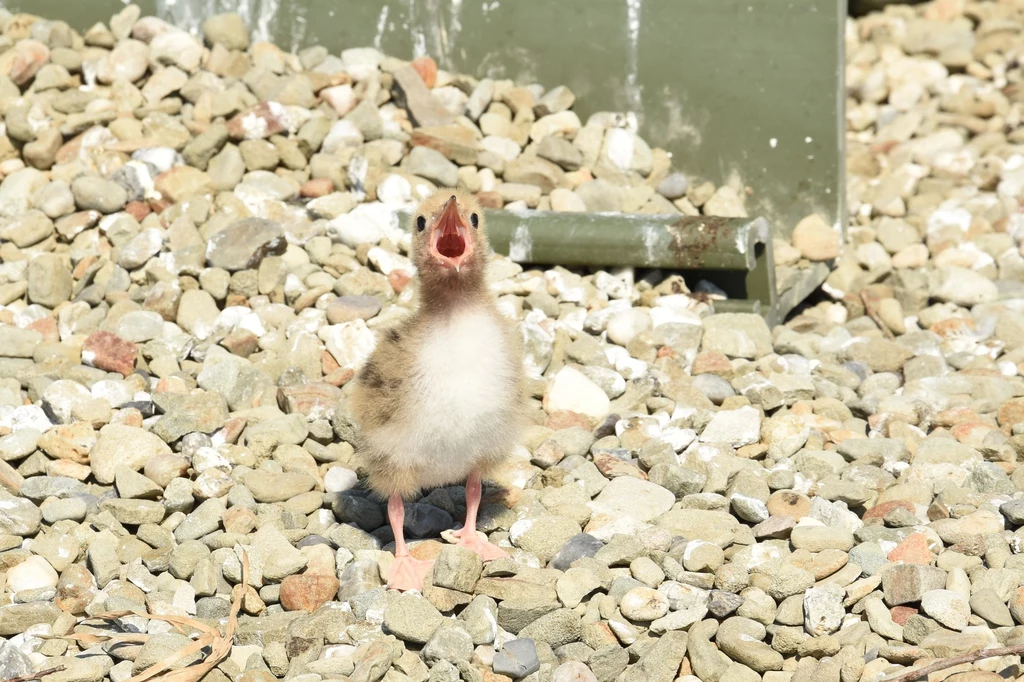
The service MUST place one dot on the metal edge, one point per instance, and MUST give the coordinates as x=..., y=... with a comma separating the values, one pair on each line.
x=789, y=299
x=841, y=218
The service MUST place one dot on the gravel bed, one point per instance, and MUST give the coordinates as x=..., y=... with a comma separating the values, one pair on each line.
x=198, y=240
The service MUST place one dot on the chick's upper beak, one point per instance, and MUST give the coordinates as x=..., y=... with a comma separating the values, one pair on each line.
x=450, y=241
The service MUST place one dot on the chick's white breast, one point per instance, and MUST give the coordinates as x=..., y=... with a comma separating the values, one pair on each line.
x=460, y=402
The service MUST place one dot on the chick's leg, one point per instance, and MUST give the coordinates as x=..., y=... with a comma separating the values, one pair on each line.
x=468, y=535
x=406, y=573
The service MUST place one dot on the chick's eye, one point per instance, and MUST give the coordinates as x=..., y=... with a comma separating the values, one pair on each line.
x=475, y=219
x=421, y=223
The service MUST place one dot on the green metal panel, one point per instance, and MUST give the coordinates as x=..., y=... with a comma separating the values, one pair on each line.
x=733, y=88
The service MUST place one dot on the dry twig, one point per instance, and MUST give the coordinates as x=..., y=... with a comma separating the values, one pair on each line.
x=218, y=643
x=921, y=673
x=35, y=676
x=872, y=312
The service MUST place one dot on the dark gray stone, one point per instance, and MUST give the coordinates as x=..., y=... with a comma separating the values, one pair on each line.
x=578, y=546
x=517, y=659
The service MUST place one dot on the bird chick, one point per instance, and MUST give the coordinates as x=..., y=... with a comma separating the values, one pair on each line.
x=440, y=400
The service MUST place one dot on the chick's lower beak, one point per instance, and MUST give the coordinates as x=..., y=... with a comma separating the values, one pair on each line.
x=450, y=242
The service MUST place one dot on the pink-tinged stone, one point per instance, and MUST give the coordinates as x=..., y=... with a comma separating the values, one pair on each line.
x=241, y=342
x=317, y=400
x=489, y=200
x=613, y=467
x=399, y=279
x=46, y=326
x=956, y=415
x=901, y=614
x=171, y=384
x=327, y=363
x=78, y=272
x=713, y=362
x=953, y=327
x=307, y=592
x=341, y=98
x=22, y=63
x=182, y=182
x=317, y=187
x=944, y=10
x=340, y=376
x=1011, y=412
x=839, y=435
x=148, y=28
x=970, y=433
x=65, y=467
x=427, y=69
x=138, y=209
x=75, y=589
x=878, y=512
x=110, y=352
x=129, y=416
x=566, y=420
x=259, y=122
x=239, y=520
x=71, y=442
x=913, y=550
x=233, y=429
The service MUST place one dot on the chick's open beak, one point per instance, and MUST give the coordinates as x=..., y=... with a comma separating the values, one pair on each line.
x=450, y=242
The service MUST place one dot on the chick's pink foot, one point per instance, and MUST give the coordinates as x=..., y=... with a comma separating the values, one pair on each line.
x=477, y=542
x=407, y=573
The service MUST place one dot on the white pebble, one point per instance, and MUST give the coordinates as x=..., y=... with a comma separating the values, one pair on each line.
x=33, y=573
x=340, y=479
x=643, y=604
x=625, y=326
x=571, y=390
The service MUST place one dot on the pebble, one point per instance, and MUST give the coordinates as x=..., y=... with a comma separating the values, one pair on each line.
x=674, y=186
x=573, y=671
x=819, y=538
x=947, y=607
x=34, y=573
x=823, y=609
x=543, y=536
x=907, y=583
x=644, y=604
x=97, y=194
x=577, y=547
x=572, y=391
x=122, y=445
x=632, y=498
x=349, y=308
x=988, y=604
x=307, y=592
x=457, y=568
x=815, y=239
x=339, y=479
x=244, y=244
x=556, y=628
x=735, y=427
x=740, y=639
x=277, y=487
x=624, y=327
x=411, y=618
x=228, y=30
x=517, y=659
